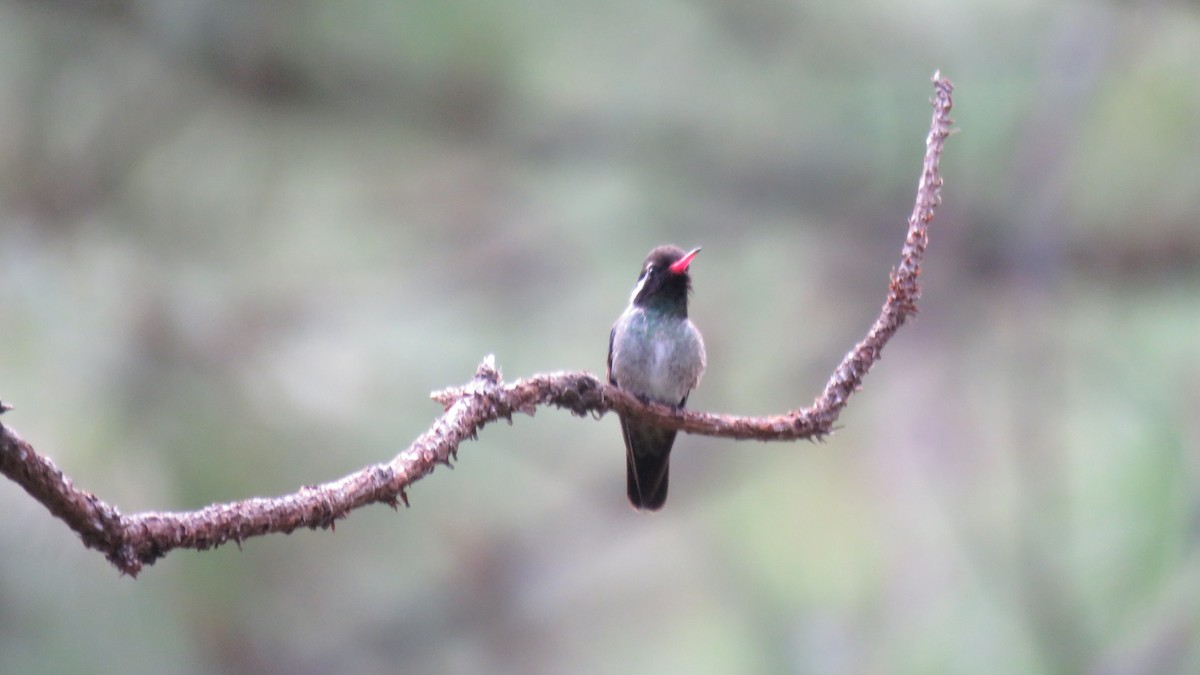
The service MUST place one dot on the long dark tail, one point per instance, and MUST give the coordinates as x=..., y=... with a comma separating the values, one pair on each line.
x=647, y=463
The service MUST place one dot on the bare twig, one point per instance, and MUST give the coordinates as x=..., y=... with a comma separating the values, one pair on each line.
x=131, y=541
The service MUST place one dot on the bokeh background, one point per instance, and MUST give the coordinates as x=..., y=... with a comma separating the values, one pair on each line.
x=241, y=242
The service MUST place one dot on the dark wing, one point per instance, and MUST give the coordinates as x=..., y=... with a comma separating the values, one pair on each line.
x=608, y=370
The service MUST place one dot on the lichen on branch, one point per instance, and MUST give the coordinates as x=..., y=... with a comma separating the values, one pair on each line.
x=132, y=541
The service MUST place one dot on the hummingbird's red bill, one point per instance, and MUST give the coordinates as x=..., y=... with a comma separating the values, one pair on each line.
x=680, y=266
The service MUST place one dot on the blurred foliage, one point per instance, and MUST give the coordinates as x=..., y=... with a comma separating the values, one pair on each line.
x=241, y=241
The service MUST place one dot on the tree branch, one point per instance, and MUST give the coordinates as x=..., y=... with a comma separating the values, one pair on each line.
x=131, y=541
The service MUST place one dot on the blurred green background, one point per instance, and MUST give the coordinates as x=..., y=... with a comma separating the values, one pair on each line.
x=240, y=243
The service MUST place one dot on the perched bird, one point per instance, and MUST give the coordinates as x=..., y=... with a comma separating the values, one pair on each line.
x=656, y=353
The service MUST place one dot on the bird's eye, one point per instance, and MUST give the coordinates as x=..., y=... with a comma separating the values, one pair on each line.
x=645, y=272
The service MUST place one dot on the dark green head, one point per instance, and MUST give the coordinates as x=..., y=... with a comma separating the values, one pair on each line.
x=664, y=282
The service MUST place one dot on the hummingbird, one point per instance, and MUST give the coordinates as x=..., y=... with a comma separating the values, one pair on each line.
x=655, y=353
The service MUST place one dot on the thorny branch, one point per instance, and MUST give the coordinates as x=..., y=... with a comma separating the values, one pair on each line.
x=131, y=541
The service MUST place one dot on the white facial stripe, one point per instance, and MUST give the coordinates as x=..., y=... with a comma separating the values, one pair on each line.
x=641, y=282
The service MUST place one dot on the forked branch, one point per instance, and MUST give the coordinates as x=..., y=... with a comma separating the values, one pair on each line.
x=131, y=541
